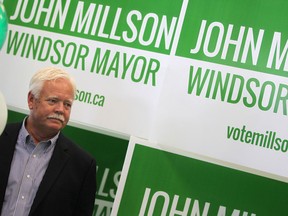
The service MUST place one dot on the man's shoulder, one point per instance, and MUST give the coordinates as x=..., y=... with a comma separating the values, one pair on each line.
x=14, y=124
x=10, y=134
x=12, y=127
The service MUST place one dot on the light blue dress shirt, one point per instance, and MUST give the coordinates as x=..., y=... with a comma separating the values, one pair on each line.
x=28, y=167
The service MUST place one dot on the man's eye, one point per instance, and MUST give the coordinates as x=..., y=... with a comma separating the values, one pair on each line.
x=52, y=101
x=68, y=105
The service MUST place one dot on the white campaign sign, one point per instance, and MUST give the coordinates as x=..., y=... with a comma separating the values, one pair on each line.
x=209, y=125
x=116, y=100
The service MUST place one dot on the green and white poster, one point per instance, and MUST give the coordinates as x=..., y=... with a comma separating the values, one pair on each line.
x=225, y=94
x=117, y=51
x=205, y=77
x=157, y=180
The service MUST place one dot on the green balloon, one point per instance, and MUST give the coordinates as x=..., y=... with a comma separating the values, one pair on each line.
x=3, y=25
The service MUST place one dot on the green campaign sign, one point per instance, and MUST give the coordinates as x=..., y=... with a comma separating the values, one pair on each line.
x=137, y=24
x=250, y=35
x=225, y=93
x=117, y=51
x=159, y=181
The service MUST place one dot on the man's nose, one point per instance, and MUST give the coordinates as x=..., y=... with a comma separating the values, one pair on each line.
x=60, y=107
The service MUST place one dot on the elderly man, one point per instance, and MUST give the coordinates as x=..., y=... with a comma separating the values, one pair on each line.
x=41, y=171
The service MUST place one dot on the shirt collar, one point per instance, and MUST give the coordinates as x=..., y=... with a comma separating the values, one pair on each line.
x=26, y=138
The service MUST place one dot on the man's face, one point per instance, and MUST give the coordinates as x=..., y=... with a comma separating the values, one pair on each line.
x=51, y=111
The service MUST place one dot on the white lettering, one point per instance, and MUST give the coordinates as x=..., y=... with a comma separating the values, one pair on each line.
x=275, y=53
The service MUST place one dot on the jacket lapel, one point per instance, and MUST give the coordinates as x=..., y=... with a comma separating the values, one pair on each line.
x=57, y=162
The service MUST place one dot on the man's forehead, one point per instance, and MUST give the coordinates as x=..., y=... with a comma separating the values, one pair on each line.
x=54, y=96
x=57, y=97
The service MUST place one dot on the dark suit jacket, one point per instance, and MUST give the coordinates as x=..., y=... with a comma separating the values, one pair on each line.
x=69, y=185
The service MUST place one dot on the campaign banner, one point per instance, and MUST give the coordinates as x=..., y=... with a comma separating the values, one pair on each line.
x=117, y=52
x=157, y=180
x=206, y=77
x=225, y=94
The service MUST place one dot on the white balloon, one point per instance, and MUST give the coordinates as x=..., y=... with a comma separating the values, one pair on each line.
x=3, y=113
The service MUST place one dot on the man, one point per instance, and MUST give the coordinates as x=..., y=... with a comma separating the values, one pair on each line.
x=41, y=171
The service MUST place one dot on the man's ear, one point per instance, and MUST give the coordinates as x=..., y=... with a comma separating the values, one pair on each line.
x=31, y=99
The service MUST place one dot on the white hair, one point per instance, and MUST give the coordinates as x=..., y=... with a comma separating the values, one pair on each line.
x=45, y=74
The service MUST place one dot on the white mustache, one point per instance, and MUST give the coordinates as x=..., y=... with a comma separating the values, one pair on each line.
x=57, y=116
